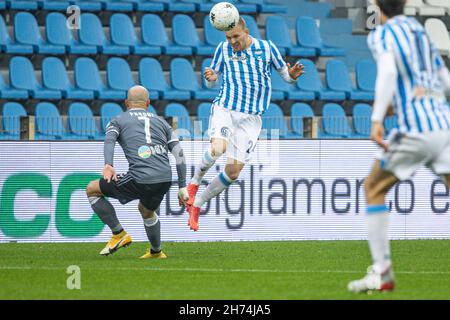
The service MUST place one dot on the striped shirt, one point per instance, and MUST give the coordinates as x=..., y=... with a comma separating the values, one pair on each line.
x=418, y=63
x=246, y=84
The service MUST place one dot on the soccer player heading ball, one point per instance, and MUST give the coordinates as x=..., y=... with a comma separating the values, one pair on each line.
x=244, y=63
x=412, y=77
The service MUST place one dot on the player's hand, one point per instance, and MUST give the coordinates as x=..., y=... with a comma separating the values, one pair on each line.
x=377, y=134
x=210, y=75
x=109, y=173
x=183, y=196
x=296, y=71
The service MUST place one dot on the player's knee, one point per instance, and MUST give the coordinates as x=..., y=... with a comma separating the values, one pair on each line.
x=233, y=173
x=218, y=147
x=92, y=189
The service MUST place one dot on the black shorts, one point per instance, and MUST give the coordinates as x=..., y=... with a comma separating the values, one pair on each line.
x=125, y=189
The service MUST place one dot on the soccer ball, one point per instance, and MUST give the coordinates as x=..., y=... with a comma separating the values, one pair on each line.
x=224, y=16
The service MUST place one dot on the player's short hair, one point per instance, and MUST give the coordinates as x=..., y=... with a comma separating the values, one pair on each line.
x=242, y=23
x=391, y=8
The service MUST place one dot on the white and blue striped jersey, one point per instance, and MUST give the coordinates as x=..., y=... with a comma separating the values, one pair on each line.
x=246, y=84
x=418, y=63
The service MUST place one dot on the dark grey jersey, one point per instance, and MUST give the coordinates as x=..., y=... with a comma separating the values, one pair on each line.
x=144, y=138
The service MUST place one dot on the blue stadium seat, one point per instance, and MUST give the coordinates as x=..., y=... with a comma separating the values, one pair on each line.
x=6, y=92
x=92, y=34
x=241, y=6
x=211, y=92
x=54, y=77
x=119, y=77
x=148, y=6
x=154, y=34
x=390, y=122
x=183, y=78
x=203, y=113
x=88, y=5
x=273, y=119
x=2, y=4
x=212, y=36
x=123, y=34
x=117, y=5
x=334, y=122
x=277, y=31
x=22, y=4
x=366, y=74
x=9, y=46
x=282, y=90
x=151, y=76
x=49, y=125
x=81, y=122
x=108, y=111
x=12, y=111
x=151, y=109
x=355, y=46
x=52, y=5
x=185, y=34
x=252, y=26
x=310, y=82
x=58, y=34
x=87, y=77
x=338, y=79
x=308, y=36
x=336, y=26
x=179, y=112
x=361, y=120
x=272, y=6
x=314, y=9
x=22, y=77
x=299, y=111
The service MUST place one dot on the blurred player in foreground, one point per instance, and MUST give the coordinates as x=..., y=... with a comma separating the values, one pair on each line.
x=412, y=76
x=145, y=139
x=235, y=120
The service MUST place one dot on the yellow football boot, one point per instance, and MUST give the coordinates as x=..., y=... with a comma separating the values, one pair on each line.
x=116, y=242
x=150, y=255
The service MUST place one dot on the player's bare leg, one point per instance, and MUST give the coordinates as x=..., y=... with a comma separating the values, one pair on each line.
x=217, y=149
x=105, y=211
x=217, y=185
x=380, y=276
x=153, y=229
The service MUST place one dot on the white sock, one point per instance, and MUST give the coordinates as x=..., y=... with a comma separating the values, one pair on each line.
x=378, y=226
x=217, y=185
x=207, y=162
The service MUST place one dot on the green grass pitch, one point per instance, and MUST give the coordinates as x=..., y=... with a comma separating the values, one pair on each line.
x=221, y=270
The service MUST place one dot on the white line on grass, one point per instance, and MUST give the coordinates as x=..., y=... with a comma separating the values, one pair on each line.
x=216, y=270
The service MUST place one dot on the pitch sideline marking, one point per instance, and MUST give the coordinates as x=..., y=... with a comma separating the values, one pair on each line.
x=220, y=270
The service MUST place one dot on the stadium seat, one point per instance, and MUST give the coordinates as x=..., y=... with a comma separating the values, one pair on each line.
x=313, y=9
x=414, y=7
x=335, y=26
x=308, y=36
x=366, y=73
x=92, y=34
x=148, y=6
x=87, y=77
x=181, y=116
x=273, y=119
x=12, y=111
x=9, y=46
x=123, y=34
x=118, y=75
x=151, y=109
x=117, y=5
x=49, y=125
x=282, y=90
x=22, y=4
x=21, y=73
x=54, y=77
x=183, y=78
x=58, y=34
x=310, y=82
x=7, y=92
x=212, y=36
x=53, y=5
x=203, y=113
x=184, y=34
x=439, y=4
x=338, y=79
x=439, y=35
x=272, y=6
x=151, y=76
x=2, y=4
x=154, y=34
x=81, y=122
x=211, y=92
x=361, y=120
x=252, y=26
x=390, y=122
x=299, y=111
x=334, y=122
x=108, y=111
x=277, y=31
x=88, y=5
